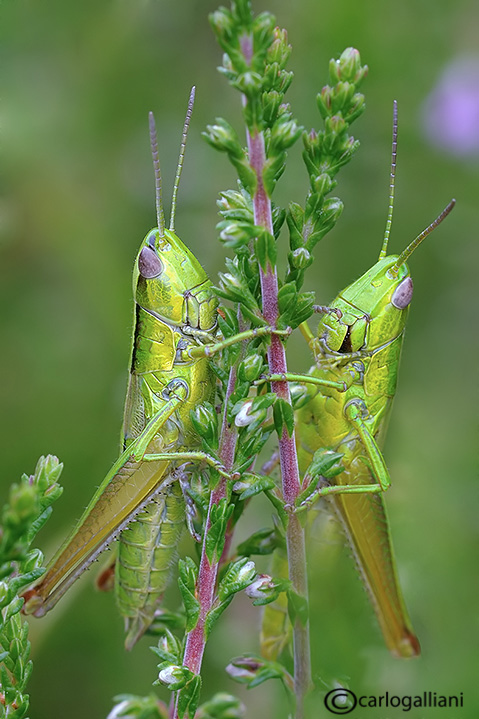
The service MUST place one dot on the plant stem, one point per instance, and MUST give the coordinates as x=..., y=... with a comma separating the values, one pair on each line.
x=207, y=573
x=291, y=484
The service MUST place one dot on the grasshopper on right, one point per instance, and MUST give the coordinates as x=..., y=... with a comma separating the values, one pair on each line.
x=357, y=351
x=361, y=339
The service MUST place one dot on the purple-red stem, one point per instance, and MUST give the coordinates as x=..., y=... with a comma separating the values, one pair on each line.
x=207, y=573
x=291, y=484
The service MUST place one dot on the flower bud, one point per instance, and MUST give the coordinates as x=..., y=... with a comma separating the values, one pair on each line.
x=222, y=23
x=33, y=560
x=335, y=125
x=48, y=470
x=168, y=646
x=349, y=66
x=243, y=668
x=271, y=104
x=261, y=588
x=299, y=395
x=250, y=368
x=356, y=107
x=331, y=212
x=204, y=421
x=279, y=50
x=174, y=676
x=249, y=83
x=342, y=95
x=325, y=101
x=323, y=184
x=246, y=572
x=247, y=416
x=238, y=576
x=236, y=234
x=300, y=258
x=284, y=134
x=223, y=137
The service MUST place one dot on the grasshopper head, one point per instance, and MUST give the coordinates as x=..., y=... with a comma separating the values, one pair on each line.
x=168, y=280
x=170, y=283
x=374, y=308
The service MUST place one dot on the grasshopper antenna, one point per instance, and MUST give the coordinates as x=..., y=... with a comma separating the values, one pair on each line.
x=405, y=254
x=181, y=157
x=392, y=181
x=160, y=215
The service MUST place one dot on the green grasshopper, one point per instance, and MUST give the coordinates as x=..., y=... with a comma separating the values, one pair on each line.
x=170, y=374
x=353, y=382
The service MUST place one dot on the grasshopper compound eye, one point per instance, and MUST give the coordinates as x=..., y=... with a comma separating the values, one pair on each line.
x=402, y=295
x=149, y=264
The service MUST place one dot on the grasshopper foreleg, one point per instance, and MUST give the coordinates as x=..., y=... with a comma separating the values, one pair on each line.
x=356, y=411
x=341, y=386
x=210, y=350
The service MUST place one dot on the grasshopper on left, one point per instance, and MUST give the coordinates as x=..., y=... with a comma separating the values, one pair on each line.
x=175, y=312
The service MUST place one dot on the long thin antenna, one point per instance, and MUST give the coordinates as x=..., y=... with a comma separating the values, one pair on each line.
x=160, y=215
x=392, y=180
x=415, y=243
x=181, y=157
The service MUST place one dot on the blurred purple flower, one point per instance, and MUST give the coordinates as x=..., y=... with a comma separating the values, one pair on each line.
x=450, y=113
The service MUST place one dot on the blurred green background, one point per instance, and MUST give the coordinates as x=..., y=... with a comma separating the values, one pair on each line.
x=78, y=80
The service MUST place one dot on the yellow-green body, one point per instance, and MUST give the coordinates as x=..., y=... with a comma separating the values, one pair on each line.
x=175, y=311
x=365, y=342
x=166, y=312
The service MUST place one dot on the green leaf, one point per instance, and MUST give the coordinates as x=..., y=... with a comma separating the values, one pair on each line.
x=215, y=536
x=297, y=607
x=251, y=484
x=253, y=671
x=262, y=542
x=265, y=249
x=165, y=620
x=188, y=698
x=246, y=174
x=223, y=137
x=283, y=416
x=12, y=609
x=215, y=613
x=302, y=311
x=205, y=422
x=238, y=576
x=272, y=171
x=188, y=573
x=250, y=368
x=287, y=295
x=169, y=648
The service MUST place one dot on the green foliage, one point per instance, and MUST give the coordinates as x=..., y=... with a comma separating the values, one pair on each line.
x=27, y=510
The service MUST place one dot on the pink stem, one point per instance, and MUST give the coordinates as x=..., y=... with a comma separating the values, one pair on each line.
x=207, y=573
x=291, y=484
